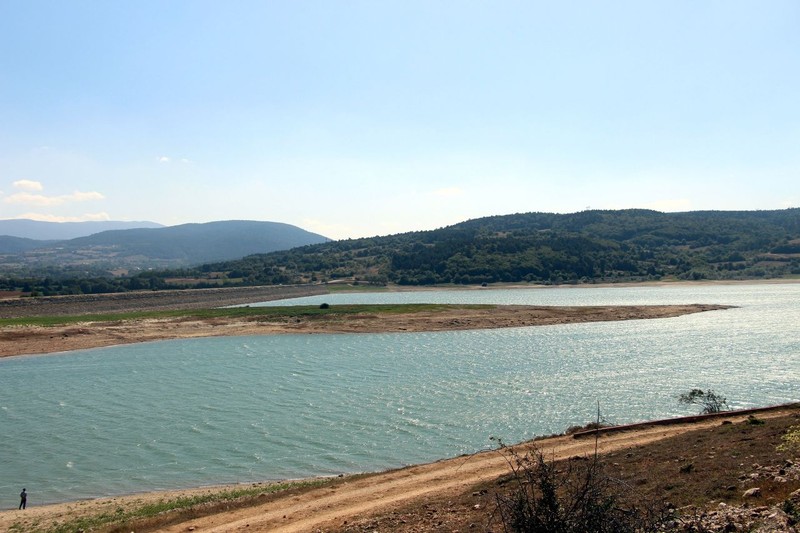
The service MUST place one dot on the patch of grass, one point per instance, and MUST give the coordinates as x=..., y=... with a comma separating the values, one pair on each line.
x=361, y=287
x=275, y=312
x=122, y=516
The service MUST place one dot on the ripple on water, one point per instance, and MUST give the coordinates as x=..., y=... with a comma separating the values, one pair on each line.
x=203, y=411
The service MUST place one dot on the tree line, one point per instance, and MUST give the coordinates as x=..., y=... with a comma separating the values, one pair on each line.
x=546, y=248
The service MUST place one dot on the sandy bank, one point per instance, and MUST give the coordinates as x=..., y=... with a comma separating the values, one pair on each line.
x=21, y=340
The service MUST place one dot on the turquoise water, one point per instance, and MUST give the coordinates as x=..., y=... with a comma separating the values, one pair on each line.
x=204, y=411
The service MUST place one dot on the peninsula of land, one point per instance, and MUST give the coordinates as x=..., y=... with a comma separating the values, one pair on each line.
x=93, y=331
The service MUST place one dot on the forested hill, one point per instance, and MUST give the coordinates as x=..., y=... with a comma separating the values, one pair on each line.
x=549, y=248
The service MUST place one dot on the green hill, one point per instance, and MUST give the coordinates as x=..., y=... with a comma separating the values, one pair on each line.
x=592, y=246
x=544, y=248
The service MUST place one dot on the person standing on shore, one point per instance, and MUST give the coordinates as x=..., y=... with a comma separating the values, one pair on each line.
x=23, y=499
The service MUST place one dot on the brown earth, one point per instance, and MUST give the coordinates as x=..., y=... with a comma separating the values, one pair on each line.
x=702, y=468
x=19, y=340
x=83, y=304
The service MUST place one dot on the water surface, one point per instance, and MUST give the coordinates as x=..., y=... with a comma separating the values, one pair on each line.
x=202, y=411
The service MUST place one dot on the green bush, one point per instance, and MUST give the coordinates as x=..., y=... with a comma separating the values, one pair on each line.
x=710, y=401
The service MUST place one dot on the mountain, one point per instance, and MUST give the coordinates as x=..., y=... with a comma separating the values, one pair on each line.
x=197, y=243
x=147, y=248
x=56, y=231
x=543, y=248
x=13, y=245
x=590, y=246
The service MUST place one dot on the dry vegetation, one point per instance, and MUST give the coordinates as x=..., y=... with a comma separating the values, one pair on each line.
x=699, y=478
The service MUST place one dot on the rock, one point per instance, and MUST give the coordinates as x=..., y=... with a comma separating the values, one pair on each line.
x=755, y=492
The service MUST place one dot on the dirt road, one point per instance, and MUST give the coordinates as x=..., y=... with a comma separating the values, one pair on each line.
x=327, y=508
x=332, y=507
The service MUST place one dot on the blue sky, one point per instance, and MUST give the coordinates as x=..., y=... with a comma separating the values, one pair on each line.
x=355, y=119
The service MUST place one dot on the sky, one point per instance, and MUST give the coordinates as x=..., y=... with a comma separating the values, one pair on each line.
x=362, y=118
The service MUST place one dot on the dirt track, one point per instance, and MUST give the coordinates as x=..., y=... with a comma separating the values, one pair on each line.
x=326, y=508
x=333, y=507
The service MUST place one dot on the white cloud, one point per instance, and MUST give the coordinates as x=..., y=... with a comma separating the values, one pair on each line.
x=28, y=185
x=32, y=199
x=87, y=217
x=164, y=159
x=79, y=196
x=41, y=200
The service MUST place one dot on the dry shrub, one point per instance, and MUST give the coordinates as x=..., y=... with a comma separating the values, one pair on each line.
x=572, y=496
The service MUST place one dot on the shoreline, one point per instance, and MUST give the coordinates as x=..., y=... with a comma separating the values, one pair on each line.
x=36, y=340
x=314, y=506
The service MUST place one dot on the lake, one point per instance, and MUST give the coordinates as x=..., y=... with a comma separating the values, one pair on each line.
x=195, y=412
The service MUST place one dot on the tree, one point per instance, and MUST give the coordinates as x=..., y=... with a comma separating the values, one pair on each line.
x=710, y=401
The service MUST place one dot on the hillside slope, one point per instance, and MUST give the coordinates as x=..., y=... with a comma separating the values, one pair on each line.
x=628, y=245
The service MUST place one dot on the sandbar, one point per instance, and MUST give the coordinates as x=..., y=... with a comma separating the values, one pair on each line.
x=28, y=339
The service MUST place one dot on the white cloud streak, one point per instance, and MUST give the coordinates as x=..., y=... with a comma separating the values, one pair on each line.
x=40, y=200
x=28, y=185
x=87, y=217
